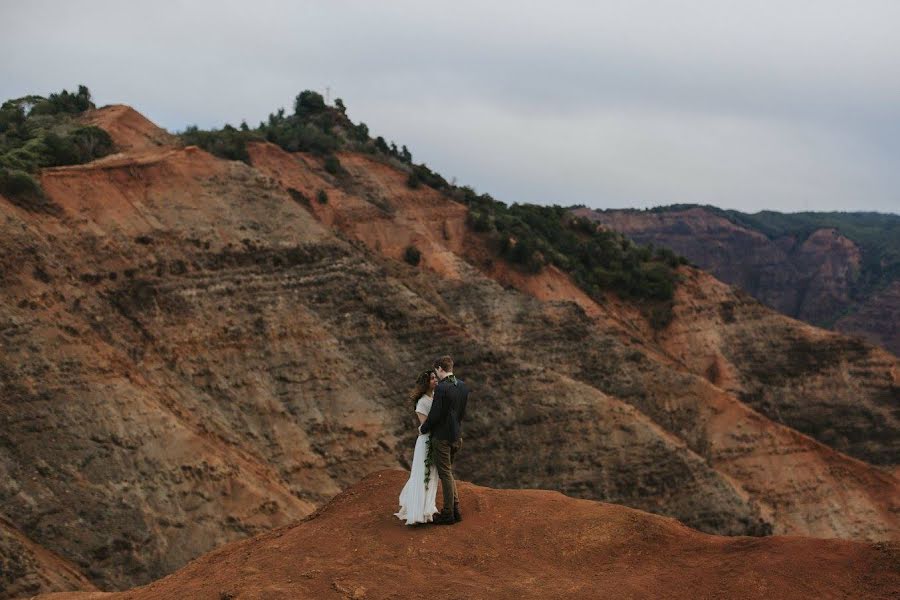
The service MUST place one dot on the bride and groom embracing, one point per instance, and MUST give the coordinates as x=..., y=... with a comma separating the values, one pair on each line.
x=440, y=399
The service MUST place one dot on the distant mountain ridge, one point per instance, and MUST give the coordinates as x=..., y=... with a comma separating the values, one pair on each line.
x=834, y=270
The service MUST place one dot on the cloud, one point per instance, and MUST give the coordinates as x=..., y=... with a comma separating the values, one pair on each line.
x=788, y=105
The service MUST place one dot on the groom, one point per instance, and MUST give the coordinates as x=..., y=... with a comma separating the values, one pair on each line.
x=447, y=411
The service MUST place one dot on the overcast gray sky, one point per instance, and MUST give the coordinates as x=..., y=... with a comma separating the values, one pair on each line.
x=785, y=105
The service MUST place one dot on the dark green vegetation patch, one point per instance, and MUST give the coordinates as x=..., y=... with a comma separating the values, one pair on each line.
x=38, y=132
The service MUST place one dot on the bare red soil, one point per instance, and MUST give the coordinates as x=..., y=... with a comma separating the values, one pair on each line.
x=518, y=544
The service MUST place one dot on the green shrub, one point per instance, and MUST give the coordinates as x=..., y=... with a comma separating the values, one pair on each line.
x=91, y=143
x=661, y=315
x=381, y=145
x=298, y=196
x=333, y=165
x=322, y=197
x=12, y=117
x=479, y=221
x=228, y=143
x=80, y=146
x=18, y=184
x=430, y=178
x=58, y=151
x=412, y=255
x=24, y=191
x=296, y=136
x=28, y=156
x=361, y=132
x=308, y=102
x=64, y=102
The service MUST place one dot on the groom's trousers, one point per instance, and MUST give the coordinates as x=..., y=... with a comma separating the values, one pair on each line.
x=444, y=454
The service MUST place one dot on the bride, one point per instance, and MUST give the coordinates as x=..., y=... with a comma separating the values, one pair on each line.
x=417, y=500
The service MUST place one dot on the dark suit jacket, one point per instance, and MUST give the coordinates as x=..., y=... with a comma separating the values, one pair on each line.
x=447, y=410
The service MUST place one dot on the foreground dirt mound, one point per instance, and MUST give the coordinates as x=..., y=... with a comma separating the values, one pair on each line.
x=518, y=544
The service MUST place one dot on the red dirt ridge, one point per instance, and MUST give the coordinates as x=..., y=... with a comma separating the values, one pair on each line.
x=518, y=544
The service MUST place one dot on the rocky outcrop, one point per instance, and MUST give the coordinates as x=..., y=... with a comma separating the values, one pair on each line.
x=814, y=278
x=197, y=350
x=515, y=544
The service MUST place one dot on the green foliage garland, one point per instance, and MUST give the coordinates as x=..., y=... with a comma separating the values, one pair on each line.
x=429, y=460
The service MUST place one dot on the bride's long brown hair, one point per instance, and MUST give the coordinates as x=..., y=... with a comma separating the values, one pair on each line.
x=423, y=382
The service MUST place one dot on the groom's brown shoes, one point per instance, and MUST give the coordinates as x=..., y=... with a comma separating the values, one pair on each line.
x=444, y=519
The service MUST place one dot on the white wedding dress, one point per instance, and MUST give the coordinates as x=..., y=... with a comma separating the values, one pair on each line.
x=418, y=504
